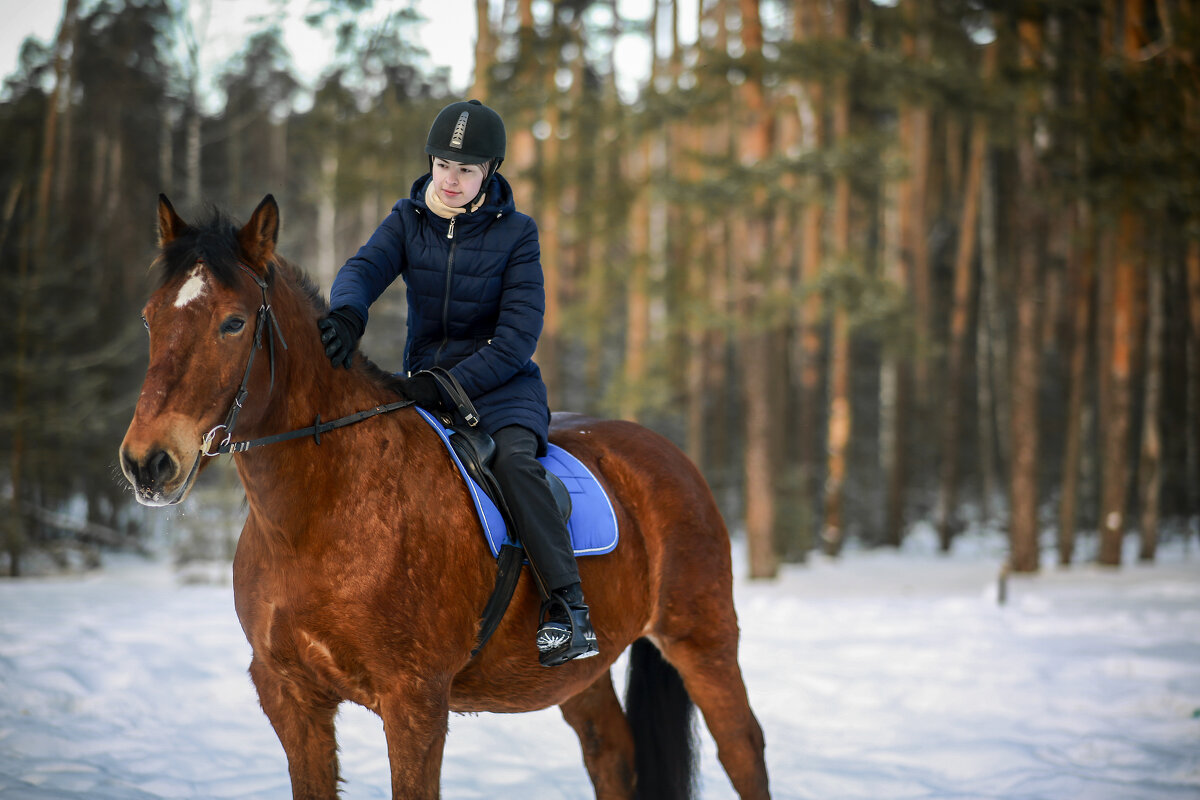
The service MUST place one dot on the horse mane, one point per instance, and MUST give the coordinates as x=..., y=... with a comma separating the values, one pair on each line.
x=214, y=241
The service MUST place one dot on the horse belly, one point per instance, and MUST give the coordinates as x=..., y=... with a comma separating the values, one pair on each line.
x=507, y=687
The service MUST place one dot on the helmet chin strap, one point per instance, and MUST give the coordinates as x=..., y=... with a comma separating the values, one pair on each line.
x=493, y=168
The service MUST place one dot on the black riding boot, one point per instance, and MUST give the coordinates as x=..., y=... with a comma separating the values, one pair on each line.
x=566, y=631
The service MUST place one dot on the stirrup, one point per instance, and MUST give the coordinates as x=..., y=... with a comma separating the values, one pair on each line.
x=567, y=634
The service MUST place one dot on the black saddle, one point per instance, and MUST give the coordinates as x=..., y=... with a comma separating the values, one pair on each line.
x=477, y=451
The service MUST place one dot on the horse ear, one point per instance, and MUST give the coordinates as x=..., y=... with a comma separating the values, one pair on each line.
x=170, y=226
x=258, y=236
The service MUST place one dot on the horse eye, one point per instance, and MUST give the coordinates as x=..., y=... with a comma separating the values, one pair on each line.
x=146, y=322
x=232, y=325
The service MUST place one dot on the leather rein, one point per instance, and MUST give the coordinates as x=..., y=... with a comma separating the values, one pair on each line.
x=266, y=320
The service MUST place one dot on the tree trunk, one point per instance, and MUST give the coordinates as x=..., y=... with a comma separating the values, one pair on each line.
x=326, y=232
x=192, y=166
x=637, y=335
x=485, y=50
x=1023, y=522
x=16, y=538
x=1116, y=422
x=606, y=220
x=840, y=420
x=166, y=153
x=907, y=373
x=807, y=351
x=637, y=288
x=549, y=227
x=963, y=293
x=697, y=314
x=522, y=146
x=32, y=258
x=917, y=48
x=1150, y=469
x=1083, y=291
x=50, y=133
x=990, y=350
x=754, y=338
x=1193, y=284
x=893, y=389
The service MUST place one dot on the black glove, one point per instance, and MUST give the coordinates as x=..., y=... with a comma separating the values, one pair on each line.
x=422, y=389
x=340, y=332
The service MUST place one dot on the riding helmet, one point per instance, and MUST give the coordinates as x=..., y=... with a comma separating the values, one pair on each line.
x=467, y=132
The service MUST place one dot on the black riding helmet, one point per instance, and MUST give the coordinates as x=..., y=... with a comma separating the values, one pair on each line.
x=470, y=133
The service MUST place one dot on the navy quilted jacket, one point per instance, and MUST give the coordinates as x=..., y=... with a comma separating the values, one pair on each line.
x=476, y=299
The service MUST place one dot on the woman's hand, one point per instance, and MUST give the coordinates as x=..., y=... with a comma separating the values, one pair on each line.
x=340, y=332
x=422, y=389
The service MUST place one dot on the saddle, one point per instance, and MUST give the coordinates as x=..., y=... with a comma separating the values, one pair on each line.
x=476, y=451
x=580, y=498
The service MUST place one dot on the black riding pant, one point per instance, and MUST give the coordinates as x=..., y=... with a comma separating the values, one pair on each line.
x=540, y=526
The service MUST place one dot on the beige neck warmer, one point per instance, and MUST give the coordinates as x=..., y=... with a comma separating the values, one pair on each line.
x=441, y=209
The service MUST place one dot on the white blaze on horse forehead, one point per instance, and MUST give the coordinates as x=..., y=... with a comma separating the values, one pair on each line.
x=192, y=288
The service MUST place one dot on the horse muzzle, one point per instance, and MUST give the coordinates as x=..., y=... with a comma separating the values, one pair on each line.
x=157, y=476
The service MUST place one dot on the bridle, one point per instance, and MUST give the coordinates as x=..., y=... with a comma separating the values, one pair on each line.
x=511, y=556
x=266, y=319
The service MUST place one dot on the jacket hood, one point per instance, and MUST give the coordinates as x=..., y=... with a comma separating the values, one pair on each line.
x=499, y=199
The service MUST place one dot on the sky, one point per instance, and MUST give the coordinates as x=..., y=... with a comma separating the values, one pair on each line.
x=447, y=34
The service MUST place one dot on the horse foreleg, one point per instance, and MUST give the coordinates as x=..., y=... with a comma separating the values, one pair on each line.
x=710, y=672
x=415, y=725
x=303, y=721
x=596, y=715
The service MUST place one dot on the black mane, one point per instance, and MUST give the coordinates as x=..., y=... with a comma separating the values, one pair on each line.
x=214, y=240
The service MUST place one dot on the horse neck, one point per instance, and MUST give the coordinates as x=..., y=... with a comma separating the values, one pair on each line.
x=305, y=386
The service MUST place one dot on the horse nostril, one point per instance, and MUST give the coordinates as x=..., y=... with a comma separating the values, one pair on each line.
x=151, y=473
x=129, y=466
x=159, y=468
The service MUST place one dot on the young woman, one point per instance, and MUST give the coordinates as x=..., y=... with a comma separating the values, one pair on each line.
x=476, y=301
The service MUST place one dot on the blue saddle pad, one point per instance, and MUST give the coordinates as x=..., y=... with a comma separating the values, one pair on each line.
x=593, y=523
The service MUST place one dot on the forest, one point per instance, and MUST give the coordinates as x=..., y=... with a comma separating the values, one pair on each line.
x=873, y=265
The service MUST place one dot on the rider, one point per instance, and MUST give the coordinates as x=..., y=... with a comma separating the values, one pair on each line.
x=476, y=302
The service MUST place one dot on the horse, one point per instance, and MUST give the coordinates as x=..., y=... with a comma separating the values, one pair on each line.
x=361, y=569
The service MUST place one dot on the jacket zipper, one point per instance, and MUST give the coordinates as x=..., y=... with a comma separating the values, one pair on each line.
x=437, y=357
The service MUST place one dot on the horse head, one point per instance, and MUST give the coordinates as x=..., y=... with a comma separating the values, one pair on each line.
x=204, y=319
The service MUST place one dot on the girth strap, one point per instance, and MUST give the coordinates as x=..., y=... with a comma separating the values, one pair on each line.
x=508, y=573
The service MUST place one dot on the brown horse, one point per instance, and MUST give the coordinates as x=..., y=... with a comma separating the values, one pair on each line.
x=361, y=570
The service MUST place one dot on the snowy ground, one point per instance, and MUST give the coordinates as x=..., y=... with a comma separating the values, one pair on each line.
x=883, y=675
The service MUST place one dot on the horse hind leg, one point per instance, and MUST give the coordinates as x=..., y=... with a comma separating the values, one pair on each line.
x=706, y=659
x=596, y=716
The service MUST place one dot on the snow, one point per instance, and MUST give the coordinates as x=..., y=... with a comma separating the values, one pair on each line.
x=880, y=675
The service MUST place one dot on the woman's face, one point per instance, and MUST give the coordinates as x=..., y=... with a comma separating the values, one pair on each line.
x=457, y=184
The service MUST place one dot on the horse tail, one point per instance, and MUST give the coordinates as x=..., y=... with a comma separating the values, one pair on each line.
x=661, y=717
